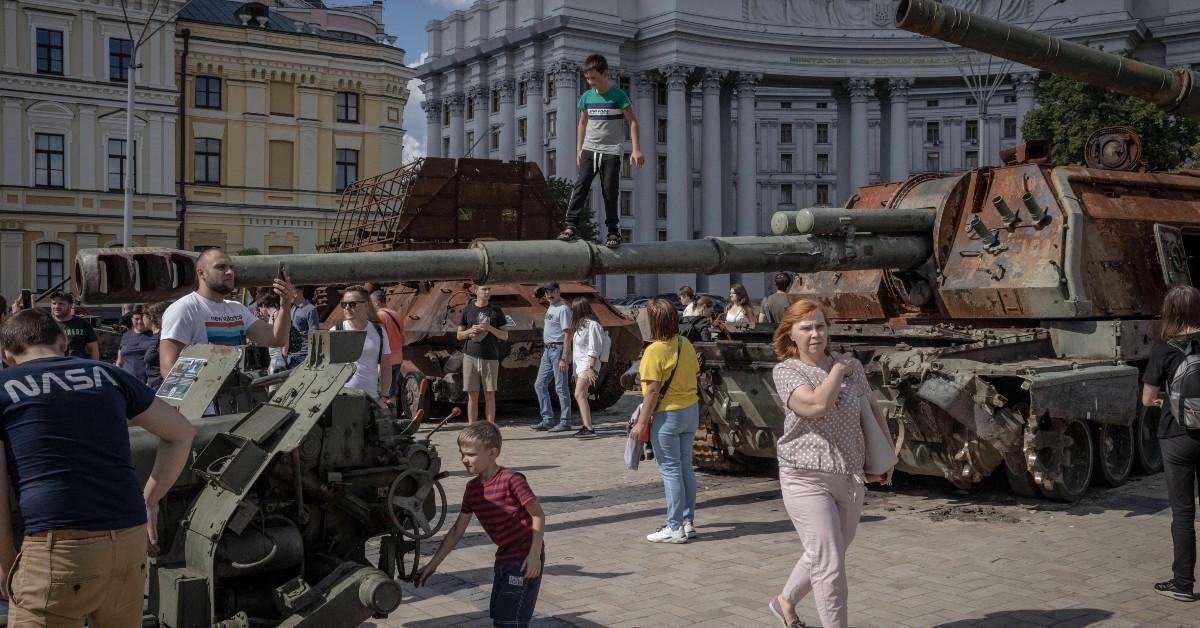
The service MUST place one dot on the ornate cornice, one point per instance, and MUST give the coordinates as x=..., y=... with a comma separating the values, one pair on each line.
x=677, y=76
x=898, y=88
x=747, y=82
x=566, y=74
x=507, y=89
x=456, y=102
x=860, y=88
x=533, y=80
x=433, y=109
x=1025, y=84
x=713, y=78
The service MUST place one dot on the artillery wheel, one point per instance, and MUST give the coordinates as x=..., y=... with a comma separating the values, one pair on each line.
x=416, y=508
x=708, y=452
x=1147, y=459
x=1072, y=455
x=417, y=395
x=610, y=389
x=1114, y=453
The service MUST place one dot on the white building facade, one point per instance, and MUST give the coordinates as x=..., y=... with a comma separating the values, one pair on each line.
x=837, y=98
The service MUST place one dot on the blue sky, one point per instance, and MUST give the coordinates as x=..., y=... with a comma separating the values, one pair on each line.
x=406, y=20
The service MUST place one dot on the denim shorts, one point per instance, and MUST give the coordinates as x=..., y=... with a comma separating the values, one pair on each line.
x=513, y=595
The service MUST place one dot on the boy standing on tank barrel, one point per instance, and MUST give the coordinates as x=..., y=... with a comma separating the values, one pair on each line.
x=599, y=139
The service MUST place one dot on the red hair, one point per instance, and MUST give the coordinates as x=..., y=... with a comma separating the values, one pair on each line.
x=785, y=347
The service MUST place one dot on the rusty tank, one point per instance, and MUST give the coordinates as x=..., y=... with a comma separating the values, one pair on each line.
x=436, y=204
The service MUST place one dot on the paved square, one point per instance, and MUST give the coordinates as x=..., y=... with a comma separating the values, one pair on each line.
x=925, y=554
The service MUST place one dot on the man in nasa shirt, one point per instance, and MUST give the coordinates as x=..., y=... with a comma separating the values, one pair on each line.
x=66, y=455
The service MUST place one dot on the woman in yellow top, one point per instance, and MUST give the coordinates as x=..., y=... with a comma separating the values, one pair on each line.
x=672, y=417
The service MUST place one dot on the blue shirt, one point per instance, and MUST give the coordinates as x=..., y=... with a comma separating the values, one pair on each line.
x=557, y=322
x=63, y=422
x=133, y=352
x=304, y=320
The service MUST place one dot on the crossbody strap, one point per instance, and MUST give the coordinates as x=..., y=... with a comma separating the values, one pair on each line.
x=671, y=377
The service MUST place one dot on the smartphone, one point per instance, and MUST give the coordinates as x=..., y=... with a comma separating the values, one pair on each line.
x=26, y=299
x=283, y=273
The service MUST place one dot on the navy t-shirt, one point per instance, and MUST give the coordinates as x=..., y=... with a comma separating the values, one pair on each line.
x=133, y=352
x=63, y=422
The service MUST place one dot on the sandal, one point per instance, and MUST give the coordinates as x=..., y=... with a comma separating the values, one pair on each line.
x=613, y=241
x=567, y=234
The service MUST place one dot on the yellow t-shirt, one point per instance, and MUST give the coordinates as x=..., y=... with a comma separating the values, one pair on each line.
x=659, y=360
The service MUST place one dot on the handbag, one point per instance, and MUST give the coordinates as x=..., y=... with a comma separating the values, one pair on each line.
x=635, y=447
x=880, y=455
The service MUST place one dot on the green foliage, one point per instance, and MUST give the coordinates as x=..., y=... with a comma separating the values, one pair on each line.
x=250, y=251
x=1069, y=111
x=560, y=189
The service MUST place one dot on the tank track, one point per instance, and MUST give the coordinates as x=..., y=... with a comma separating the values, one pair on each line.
x=708, y=453
x=610, y=389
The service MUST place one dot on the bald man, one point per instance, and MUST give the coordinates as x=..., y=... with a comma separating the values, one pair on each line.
x=206, y=317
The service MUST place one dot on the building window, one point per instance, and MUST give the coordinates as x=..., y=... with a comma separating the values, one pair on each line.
x=551, y=86
x=822, y=105
x=822, y=132
x=971, y=130
x=661, y=207
x=49, y=160
x=551, y=163
x=785, y=162
x=346, y=164
x=280, y=161
x=785, y=133
x=208, y=92
x=660, y=94
x=1010, y=128
x=445, y=116
x=627, y=235
x=822, y=194
x=660, y=131
x=626, y=170
x=495, y=140
x=1010, y=98
x=470, y=141
x=785, y=194
x=933, y=161
x=662, y=168
x=931, y=103
x=49, y=51
x=971, y=160
x=116, y=165
x=48, y=264
x=552, y=124
x=208, y=160
x=933, y=132
x=970, y=101
x=522, y=93
x=446, y=146
x=822, y=163
x=495, y=105
x=470, y=107
x=283, y=96
x=347, y=107
x=662, y=235
x=787, y=104
x=119, y=53
x=630, y=285
x=522, y=130
x=626, y=203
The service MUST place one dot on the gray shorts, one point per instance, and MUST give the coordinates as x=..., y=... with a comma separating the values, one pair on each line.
x=480, y=374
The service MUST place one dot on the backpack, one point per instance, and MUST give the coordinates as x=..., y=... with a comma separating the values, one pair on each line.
x=695, y=328
x=1183, y=389
x=345, y=326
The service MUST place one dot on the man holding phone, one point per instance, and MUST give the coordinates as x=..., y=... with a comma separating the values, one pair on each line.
x=81, y=338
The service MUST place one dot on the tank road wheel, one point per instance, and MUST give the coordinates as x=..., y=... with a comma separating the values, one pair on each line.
x=1147, y=459
x=417, y=395
x=1070, y=460
x=1114, y=453
x=610, y=389
x=708, y=453
x=1020, y=482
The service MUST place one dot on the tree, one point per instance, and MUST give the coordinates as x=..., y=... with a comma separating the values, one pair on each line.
x=249, y=251
x=560, y=189
x=1069, y=111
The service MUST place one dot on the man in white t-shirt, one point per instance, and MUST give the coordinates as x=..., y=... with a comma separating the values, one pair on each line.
x=205, y=316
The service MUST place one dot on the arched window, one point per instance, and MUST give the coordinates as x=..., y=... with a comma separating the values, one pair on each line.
x=48, y=265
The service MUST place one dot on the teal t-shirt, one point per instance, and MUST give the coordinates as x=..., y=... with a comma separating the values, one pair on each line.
x=605, y=114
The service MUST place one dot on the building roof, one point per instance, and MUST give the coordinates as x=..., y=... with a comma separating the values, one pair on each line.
x=226, y=12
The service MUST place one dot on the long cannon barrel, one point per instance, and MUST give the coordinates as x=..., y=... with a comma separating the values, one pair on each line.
x=836, y=221
x=1173, y=91
x=152, y=274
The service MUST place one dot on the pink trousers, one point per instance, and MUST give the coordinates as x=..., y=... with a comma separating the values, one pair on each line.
x=825, y=508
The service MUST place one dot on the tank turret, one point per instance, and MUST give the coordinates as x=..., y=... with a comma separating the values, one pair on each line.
x=1174, y=91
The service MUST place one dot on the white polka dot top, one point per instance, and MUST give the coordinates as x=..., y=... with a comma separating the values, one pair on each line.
x=832, y=443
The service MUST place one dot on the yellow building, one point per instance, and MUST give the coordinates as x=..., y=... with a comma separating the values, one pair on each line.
x=284, y=106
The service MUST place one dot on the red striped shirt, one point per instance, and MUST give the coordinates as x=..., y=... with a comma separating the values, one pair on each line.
x=499, y=504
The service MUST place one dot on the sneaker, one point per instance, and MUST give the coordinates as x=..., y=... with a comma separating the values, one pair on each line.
x=689, y=529
x=1173, y=591
x=541, y=427
x=561, y=427
x=585, y=432
x=667, y=535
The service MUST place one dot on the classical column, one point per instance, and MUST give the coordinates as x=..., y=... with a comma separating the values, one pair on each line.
x=645, y=206
x=712, y=164
x=458, y=132
x=10, y=42
x=482, y=143
x=747, y=167
x=149, y=144
x=566, y=86
x=679, y=187
x=860, y=90
x=256, y=152
x=88, y=152
x=433, y=126
x=310, y=131
x=535, y=118
x=898, y=167
x=1025, y=86
x=88, y=58
x=507, y=89
x=14, y=146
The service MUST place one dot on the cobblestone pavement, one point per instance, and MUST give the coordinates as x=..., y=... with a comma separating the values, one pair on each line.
x=925, y=555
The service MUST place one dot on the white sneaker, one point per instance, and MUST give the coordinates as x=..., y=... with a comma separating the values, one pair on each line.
x=689, y=530
x=667, y=535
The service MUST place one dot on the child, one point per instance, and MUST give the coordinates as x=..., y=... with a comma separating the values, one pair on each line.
x=510, y=514
x=599, y=140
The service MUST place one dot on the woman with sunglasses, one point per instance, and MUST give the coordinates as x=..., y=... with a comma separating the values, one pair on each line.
x=371, y=373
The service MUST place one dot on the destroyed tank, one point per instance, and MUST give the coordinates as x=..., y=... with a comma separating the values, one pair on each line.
x=436, y=204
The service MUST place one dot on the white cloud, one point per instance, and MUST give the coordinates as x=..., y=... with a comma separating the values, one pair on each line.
x=453, y=4
x=416, y=134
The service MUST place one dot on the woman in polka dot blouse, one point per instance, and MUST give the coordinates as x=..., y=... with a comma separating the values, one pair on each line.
x=821, y=456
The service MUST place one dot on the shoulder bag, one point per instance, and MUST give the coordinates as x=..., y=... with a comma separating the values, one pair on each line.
x=635, y=448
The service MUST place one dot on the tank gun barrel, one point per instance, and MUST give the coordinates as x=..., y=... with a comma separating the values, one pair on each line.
x=1173, y=91
x=836, y=221
x=151, y=274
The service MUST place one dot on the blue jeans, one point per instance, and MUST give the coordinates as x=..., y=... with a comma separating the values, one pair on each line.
x=671, y=434
x=513, y=595
x=547, y=369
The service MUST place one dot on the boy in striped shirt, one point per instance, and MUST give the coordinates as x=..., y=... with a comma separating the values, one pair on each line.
x=510, y=514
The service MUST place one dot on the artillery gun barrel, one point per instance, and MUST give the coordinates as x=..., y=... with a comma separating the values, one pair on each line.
x=1172, y=91
x=151, y=274
x=836, y=220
